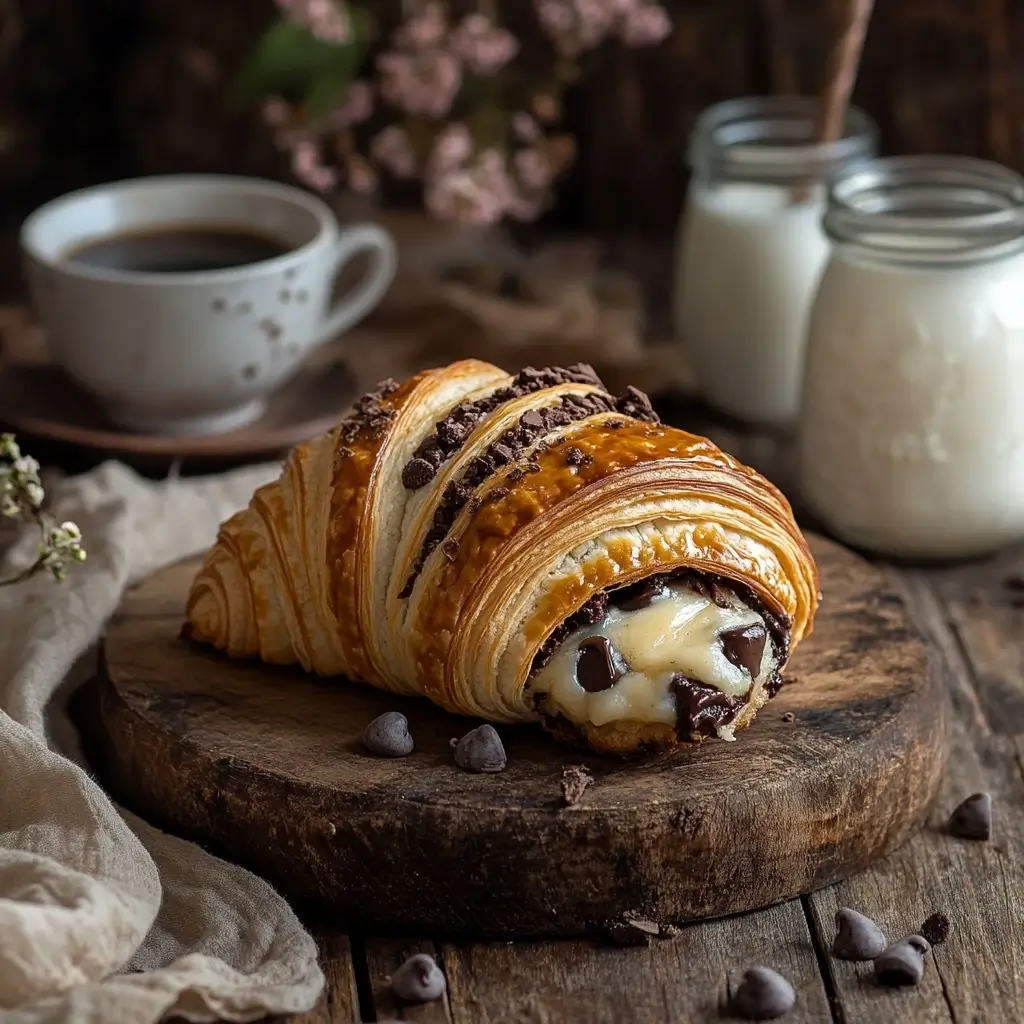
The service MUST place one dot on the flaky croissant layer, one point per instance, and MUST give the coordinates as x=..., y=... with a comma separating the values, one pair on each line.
x=449, y=535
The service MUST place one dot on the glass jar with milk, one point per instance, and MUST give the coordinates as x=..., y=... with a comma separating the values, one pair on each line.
x=912, y=427
x=751, y=249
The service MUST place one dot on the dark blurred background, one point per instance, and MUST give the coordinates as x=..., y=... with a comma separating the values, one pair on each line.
x=92, y=90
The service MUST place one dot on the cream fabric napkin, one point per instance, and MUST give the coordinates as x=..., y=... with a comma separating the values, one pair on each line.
x=103, y=919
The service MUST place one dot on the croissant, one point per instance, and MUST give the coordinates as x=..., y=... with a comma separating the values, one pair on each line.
x=520, y=548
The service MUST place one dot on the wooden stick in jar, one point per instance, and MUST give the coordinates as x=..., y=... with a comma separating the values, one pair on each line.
x=842, y=73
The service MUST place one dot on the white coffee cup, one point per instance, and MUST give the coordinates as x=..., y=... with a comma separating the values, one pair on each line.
x=190, y=352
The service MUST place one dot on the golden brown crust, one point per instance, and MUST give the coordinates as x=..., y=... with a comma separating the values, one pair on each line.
x=314, y=570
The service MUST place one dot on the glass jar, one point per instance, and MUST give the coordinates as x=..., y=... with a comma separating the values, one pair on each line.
x=750, y=248
x=911, y=438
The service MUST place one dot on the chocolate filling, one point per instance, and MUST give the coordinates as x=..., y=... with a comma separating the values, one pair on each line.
x=744, y=647
x=450, y=433
x=599, y=666
x=368, y=413
x=701, y=709
x=533, y=423
x=638, y=595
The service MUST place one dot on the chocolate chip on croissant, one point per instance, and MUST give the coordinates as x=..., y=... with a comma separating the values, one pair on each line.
x=465, y=534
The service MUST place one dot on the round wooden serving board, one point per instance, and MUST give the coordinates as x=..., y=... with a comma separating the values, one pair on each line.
x=265, y=767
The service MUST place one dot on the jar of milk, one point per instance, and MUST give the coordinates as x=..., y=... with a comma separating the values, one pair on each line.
x=912, y=426
x=751, y=249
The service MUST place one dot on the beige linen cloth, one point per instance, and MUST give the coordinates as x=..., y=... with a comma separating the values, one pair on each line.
x=103, y=919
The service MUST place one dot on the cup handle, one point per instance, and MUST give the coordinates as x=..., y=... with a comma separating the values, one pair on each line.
x=358, y=302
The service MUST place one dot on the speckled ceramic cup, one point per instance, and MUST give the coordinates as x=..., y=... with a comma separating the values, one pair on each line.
x=196, y=351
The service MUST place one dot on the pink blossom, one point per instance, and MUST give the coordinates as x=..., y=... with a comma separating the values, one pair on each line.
x=424, y=30
x=308, y=168
x=533, y=169
x=325, y=19
x=645, y=26
x=420, y=83
x=361, y=176
x=525, y=127
x=393, y=150
x=479, y=193
x=355, y=107
x=483, y=46
x=452, y=148
x=276, y=113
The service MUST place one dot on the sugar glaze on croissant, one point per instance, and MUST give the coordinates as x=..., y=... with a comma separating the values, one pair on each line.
x=520, y=548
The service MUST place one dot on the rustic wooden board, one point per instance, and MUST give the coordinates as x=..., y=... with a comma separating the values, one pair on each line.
x=265, y=766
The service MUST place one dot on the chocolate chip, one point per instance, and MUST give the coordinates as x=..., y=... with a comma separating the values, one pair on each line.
x=495, y=495
x=599, y=666
x=973, y=818
x=575, y=781
x=936, y=929
x=857, y=936
x=450, y=550
x=632, y=599
x=417, y=473
x=480, y=750
x=700, y=709
x=763, y=994
x=636, y=404
x=903, y=962
x=532, y=420
x=388, y=735
x=744, y=646
x=419, y=980
x=515, y=475
x=577, y=457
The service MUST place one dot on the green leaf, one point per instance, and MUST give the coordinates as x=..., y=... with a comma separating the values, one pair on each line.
x=329, y=84
x=289, y=59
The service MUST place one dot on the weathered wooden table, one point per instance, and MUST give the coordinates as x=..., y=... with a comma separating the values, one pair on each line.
x=973, y=615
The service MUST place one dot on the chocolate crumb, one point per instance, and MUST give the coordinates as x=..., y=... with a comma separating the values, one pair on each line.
x=936, y=929
x=368, y=413
x=495, y=495
x=450, y=548
x=788, y=716
x=417, y=473
x=575, y=781
x=637, y=405
x=614, y=424
x=515, y=475
x=577, y=457
x=533, y=467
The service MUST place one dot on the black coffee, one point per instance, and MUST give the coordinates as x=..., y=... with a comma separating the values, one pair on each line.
x=177, y=250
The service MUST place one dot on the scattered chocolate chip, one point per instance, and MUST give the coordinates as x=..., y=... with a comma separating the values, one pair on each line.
x=636, y=404
x=533, y=467
x=640, y=595
x=515, y=475
x=700, y=709
x=417, y=473
x=480, y=750
x=575, y=781
x=789, y=717
x=744, y=647
x=419, y=980
x=531, y=420
x=763, y=994
x=936, y=929
x=577, y=457
x=388, y=735
x=973, y=818
x=599, y=666
x=450, y=549
x=857, y=936
x=495, y=495
x=368, y=413
x=903, y=962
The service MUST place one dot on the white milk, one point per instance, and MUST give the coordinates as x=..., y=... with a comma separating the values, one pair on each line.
x=747, y=264
x=912, y=429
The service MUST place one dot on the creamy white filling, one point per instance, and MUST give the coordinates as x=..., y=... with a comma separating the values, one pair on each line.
x=679, y=632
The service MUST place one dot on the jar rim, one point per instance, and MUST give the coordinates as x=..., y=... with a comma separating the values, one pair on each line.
x=928, y=209
x=773, y=138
